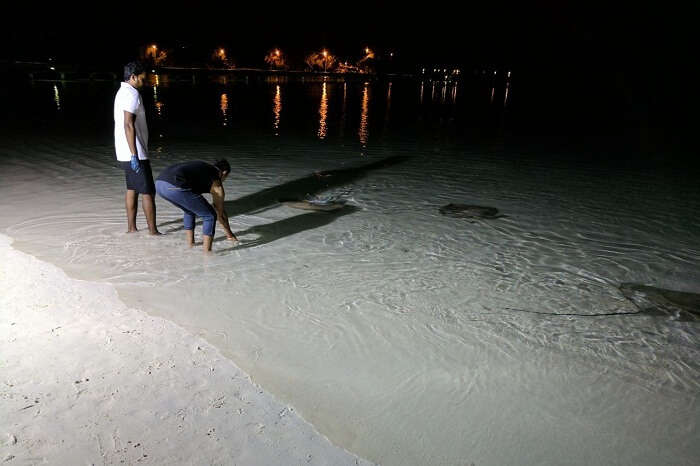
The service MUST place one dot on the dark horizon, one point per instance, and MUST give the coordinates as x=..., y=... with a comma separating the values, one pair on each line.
x=543, y=34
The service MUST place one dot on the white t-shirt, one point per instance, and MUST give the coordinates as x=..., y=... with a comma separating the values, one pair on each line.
x=129, y=99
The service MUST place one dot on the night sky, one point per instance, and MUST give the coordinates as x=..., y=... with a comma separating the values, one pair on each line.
x=536, y=34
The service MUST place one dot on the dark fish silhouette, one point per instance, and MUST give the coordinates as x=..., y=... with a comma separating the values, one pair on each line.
x=469, y=211
x=323, y=206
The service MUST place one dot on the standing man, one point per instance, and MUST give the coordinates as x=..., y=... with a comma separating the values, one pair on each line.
x=131, y=144
x=183, y=185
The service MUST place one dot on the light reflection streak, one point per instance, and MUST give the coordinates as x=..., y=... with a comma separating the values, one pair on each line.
x=223, y=104
x=388, y=103
x=344, y=108
x=364, y=117
x=323, y=112
x=421, y=91
x=277, y=109
x=56, y=97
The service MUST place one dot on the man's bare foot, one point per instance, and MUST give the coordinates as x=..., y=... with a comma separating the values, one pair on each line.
x=132, y=230
x=155, y=233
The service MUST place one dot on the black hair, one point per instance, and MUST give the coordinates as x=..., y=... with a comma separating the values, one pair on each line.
x=223, y=165
x=135, y=68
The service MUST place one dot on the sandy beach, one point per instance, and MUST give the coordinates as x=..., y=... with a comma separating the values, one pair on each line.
x=86, y=380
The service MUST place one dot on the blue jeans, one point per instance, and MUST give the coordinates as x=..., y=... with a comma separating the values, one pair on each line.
x=192, y=204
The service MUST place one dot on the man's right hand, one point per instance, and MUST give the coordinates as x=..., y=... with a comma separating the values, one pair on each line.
x=135, y=163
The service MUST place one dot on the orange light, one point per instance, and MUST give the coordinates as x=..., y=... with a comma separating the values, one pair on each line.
x=277, y=52
x=325, y=54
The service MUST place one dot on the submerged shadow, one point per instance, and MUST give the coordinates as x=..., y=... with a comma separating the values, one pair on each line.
x=270, y=232
x=170, y=222
x=308, y=185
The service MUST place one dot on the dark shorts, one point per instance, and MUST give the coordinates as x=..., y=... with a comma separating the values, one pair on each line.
x=141, y=182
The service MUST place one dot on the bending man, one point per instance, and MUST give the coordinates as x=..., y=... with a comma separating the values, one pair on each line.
x=183, y=185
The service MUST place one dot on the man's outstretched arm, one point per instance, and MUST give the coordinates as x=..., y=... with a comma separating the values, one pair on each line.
x=217, y=195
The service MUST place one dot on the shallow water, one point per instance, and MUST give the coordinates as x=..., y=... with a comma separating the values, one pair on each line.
x=401, y=334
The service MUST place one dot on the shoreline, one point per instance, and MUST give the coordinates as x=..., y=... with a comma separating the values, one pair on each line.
x=86, y=378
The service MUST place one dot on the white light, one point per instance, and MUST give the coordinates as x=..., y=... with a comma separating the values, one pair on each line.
x=53, y=68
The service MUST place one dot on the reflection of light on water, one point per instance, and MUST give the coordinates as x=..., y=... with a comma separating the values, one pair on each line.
x=277, y=109
x=388, y=103
x=432, y=93
x=493, y=91
x=323, y=112
x=454, y=94
x=444, y=92
x=505, y=100
x=158, y=105
x=364, y=118
x=155, y=88
x=56, y=97
x=224, y=107
x=342, y=113
x=421, y=92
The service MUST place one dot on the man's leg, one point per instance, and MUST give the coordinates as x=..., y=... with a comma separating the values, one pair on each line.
x=131, y=201
x=188, y=223
x=207, y=242
x=194, y=204
x=149, y=208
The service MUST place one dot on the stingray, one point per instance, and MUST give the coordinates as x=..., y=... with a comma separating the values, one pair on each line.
x=469, y=211
x=314, y=204
x=659, y=301
x=648, y=300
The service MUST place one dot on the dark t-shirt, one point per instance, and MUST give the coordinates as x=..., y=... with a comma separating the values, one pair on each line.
x=196, y=176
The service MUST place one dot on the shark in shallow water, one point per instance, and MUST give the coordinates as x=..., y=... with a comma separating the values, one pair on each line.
x=469, y=211
x=322, y=205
